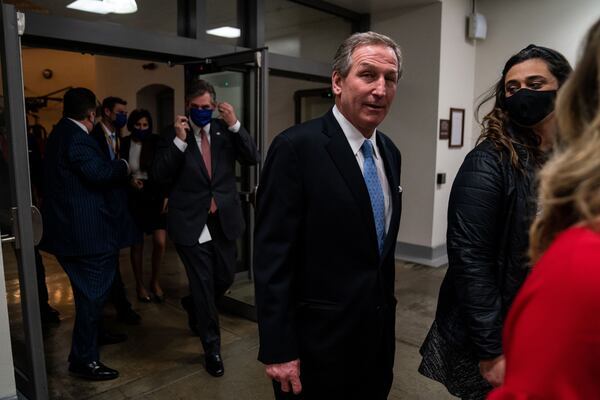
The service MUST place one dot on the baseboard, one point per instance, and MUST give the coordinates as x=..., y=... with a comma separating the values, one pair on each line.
x=430, y=256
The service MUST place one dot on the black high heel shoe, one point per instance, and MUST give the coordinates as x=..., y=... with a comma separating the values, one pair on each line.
x=143, y=299
x=159, y=298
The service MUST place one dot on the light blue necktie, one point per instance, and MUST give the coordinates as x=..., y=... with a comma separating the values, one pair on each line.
x=111, y=148
x=375, y=191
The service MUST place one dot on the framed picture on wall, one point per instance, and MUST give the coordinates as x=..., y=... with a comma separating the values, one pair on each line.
x=444, y=129
x=457, y=127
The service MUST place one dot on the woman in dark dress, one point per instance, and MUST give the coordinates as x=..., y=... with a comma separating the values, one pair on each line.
x=490, y=210
x=147, y=200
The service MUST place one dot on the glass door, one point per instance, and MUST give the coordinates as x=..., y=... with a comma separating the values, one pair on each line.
x=241, y=80
x=17, y=227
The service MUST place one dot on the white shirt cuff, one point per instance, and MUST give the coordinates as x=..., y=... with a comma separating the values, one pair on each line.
x=126, y=163
x=235, y=128
x=181, y=145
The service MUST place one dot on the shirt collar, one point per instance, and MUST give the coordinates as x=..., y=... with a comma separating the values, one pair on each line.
x=79, y=124
x=196, y=128
x=353, y=135
x=106, y=130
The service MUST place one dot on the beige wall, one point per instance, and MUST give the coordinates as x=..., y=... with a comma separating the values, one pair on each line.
x=69, y=69
x=412, y=121
x=457, y=81
x=123, y=78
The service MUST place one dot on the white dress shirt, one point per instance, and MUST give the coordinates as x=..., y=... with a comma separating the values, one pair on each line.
x=356, y=140
x=135, y=153
x=182, y=145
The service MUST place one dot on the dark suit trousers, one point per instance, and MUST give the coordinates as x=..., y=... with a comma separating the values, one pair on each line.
x=118, y=295
x=41, y=280
x=210, y=269
x=91, y=279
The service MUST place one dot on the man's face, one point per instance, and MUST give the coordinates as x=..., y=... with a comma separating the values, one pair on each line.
x=117, y=109
x=203, y=101
x=364, y=96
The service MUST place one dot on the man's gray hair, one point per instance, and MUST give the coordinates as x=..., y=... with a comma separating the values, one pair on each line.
x=342, y=62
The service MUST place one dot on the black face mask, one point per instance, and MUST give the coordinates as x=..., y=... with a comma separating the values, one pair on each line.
x=528, y=107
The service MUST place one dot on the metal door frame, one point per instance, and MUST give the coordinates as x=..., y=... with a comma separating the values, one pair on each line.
x=33, y=383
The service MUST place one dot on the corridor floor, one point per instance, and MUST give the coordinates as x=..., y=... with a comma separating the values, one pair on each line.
x=162, y=360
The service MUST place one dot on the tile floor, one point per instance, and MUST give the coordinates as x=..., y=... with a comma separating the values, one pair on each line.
x=162, y=360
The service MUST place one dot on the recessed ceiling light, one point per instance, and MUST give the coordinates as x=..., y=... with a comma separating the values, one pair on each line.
x=105, y=7
x=93, y=6
x=122, y=6
x=225, y=31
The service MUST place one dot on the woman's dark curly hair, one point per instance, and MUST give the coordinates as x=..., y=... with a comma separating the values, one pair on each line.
x=496, y=125
x=136, y=115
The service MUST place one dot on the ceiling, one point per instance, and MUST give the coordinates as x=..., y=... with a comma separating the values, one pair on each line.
x=281, y=16
x=374, y=6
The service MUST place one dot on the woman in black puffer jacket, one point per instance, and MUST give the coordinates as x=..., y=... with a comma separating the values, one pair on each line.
x=491, y=206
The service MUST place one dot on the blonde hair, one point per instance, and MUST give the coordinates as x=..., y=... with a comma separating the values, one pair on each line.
x=570, y=181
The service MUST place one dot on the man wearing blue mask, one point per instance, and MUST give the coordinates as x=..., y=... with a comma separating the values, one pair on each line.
x=107, y=133
x=196, y=160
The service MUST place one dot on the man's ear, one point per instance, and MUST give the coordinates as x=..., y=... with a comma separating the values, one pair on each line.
x=106, y=112
x=336, y=83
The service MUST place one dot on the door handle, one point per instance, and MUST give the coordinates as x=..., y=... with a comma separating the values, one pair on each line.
x=37, y=225
x=8, y=239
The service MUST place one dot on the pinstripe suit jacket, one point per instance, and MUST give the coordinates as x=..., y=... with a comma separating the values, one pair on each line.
x=77, y=218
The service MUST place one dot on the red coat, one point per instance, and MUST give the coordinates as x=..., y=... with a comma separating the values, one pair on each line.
x=552, y=334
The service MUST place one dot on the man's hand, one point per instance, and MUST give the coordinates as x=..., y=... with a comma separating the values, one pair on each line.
x=493, y=370
x=227, y=112
x=181, y=127
x=287, y=374
x=165, y=206
x=137, y=184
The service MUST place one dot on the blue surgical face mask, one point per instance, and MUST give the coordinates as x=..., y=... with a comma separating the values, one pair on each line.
x=140, y=134
x=120, y=120
x=201, y=116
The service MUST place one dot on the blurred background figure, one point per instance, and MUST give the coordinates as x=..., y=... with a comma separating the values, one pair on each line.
x=491, y=207
x=552, y=336
x=147, y=202
x=107, y=133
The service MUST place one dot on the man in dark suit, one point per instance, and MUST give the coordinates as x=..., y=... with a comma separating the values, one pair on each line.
x=196, y=159
x=78, y=225
x=107, y=133
x=328, y=215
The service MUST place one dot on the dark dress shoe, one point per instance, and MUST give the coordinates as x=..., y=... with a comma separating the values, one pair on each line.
x=214, y=364
x=49, y=315
x=129, y=317
x=105, y=338
x=188, y=305
x=95, y=371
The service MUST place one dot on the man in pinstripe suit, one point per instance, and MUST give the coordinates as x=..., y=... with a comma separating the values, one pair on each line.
x=79, y=228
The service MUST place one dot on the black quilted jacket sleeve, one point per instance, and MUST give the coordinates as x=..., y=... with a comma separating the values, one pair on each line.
x=474, y=229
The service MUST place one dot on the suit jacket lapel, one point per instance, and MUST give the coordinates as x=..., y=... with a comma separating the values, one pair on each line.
x=216, y=141
x=195, y=152
x=341, y=153
x=393, y=181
